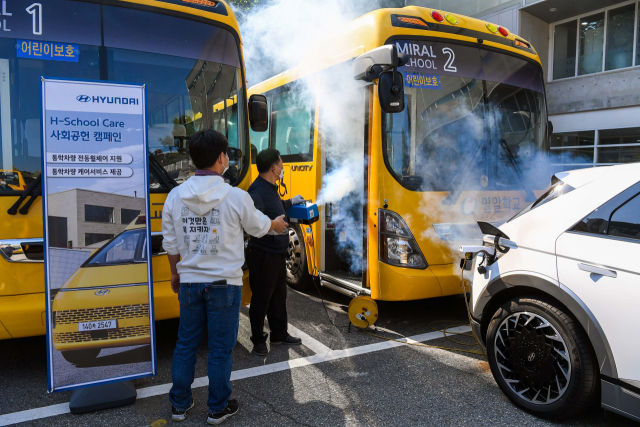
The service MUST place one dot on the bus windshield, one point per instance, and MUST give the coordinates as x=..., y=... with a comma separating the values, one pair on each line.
x=480, y=127
x=187, y=68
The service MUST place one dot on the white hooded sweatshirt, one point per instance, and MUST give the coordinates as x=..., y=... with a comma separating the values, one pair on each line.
x=202, y=220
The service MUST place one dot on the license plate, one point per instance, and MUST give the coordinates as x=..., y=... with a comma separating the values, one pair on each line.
x=98, y=326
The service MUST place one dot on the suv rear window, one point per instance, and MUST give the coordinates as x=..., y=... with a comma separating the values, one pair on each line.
x=558, y=189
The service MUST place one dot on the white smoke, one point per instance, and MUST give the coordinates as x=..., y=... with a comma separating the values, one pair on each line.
x=277, y=35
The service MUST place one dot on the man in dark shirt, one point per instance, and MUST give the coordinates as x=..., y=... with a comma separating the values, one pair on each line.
x=267, y=258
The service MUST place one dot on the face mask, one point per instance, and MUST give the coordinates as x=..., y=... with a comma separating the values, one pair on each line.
x=281, y=173
x=226, y=168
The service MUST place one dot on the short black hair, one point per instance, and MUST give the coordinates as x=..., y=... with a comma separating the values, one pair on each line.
x=205, y=147
x=267, y=158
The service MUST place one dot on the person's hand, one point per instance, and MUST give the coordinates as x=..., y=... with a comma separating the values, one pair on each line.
x=175, y=283
x=298, y=200
x=279, y=224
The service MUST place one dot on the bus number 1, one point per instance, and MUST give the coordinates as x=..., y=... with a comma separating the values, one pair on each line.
x=35, y=10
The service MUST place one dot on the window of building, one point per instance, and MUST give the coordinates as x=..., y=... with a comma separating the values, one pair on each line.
x=128, y=215
x=91, y=238
x=620, y=27
x=564, y=50
x=98, y=214
x=596, y=42
x=591, y=44
x=573, y=150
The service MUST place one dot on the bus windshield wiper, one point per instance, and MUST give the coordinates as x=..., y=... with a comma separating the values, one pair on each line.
x=161, y=173
x=530, y=197
x=34, y=190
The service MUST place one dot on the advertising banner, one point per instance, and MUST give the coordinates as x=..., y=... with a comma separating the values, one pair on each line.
x=100, y=324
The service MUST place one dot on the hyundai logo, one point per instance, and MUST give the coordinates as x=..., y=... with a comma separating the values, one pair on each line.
x=530, y=358
x=102, y=292
x=83, y=98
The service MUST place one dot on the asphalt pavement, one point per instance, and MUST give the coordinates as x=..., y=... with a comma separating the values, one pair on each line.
x=338, y=377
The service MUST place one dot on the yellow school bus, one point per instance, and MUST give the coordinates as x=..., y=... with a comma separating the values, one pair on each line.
x=403, y=165
x=188, y=53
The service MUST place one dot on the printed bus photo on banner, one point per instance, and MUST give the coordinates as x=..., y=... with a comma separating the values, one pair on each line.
x=100, y=323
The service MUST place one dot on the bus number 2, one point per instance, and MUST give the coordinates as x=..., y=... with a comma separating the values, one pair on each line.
x=35, y=10
x=448, y=66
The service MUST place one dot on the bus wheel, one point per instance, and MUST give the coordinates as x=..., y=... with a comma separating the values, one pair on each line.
x=298, y=276
x=81, y=357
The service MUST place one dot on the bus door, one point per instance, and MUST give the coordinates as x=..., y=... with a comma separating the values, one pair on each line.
x=343, y=186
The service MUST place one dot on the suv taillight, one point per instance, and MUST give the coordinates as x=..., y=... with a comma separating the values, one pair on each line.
x=397, y=245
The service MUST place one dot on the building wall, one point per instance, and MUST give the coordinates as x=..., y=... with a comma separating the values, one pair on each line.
x=64, y=204
x=116, y=201
x=536, y=32
x=613, y=89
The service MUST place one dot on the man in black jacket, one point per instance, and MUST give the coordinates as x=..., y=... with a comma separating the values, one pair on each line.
x=267, y=258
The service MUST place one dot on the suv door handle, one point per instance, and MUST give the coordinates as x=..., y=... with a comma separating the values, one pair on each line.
x=597, y=270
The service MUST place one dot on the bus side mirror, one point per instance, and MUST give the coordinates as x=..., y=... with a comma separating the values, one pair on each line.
x=391, y=92
x=258, y=113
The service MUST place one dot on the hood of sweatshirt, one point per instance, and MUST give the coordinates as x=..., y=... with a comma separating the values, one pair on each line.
x=203, y=193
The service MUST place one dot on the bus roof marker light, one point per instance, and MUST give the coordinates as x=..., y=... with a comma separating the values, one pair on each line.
x=503, y=31
x=492, y=28
x=208, y=3
x=437, y=16
x=414, y=21
x=451, y=19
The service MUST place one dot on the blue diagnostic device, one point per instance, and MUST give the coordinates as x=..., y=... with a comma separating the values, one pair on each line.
x=306, y=213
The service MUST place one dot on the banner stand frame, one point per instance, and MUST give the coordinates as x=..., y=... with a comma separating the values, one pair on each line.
x=102, y=396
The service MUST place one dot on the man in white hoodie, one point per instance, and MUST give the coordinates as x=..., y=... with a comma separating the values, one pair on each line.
x=202, y=223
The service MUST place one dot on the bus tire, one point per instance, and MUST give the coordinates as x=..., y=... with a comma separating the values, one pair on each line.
x=542, y=359
x=81, y=357
x=298, y=276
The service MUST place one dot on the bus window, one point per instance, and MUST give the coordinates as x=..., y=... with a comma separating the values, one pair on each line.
x=20, y=127
x=292, y=123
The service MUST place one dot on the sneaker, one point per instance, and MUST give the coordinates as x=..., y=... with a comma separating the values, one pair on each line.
x=288, y=340
x=180, y=415
x=232, y=408
x=260, y=349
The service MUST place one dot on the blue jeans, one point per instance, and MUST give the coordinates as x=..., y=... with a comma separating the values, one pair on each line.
x=215, y=306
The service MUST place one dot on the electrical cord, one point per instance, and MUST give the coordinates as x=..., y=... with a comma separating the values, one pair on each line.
x=445, y=332
x=316, y=274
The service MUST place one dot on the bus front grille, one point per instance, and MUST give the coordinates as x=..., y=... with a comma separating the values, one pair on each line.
x=104, y=313
x=111, y=334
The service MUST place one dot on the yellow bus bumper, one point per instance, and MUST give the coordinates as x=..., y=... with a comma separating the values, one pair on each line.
x=405, y=284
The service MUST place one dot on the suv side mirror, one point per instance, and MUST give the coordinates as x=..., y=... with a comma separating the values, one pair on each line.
x=391, y=92
x=258, y=113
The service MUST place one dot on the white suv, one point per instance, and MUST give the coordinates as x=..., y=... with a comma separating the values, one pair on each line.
x=556, y=295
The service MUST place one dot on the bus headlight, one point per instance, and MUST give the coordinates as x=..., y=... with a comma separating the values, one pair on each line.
x=397, y=245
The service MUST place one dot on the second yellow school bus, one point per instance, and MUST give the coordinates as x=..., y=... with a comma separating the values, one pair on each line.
x=403, y=189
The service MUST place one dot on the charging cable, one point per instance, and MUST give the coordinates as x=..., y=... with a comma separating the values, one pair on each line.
x=447, y=334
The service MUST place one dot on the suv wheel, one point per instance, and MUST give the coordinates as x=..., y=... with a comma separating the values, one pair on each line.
x=298, y=276
x=541, y=358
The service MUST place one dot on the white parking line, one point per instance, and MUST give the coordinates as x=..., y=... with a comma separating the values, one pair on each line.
x=308, y=341
x=63, y=408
